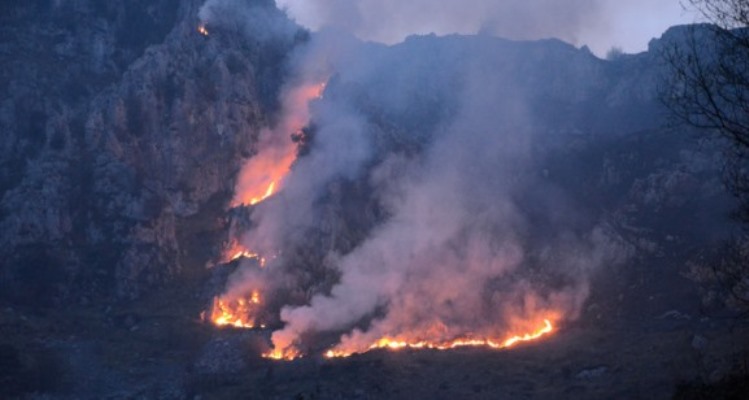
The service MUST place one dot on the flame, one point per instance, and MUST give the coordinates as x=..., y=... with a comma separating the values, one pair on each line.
x=202, y=30
x=235, y=251
x=388, y=343
x=263, y=175
x=288, y=354
x=259, y=179
x=546, y=329
x=238, y=313
x=268, y=193
x=397, y=344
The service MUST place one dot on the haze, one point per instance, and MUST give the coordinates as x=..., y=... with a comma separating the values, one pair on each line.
x=599, y=24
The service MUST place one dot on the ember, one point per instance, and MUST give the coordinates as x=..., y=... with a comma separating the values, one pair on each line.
x=237, y=251
x=283, y=355
x=388, y=343
x=263, y=174
x=397, y=344
x=238, y=313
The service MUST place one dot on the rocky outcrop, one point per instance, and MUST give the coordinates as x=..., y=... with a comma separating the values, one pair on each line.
x=120, y=123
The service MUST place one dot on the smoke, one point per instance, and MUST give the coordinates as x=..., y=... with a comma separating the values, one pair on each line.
x=471, y=237
x=458, y=253
x=600, y=24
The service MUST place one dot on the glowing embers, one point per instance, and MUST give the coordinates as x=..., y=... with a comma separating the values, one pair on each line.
x=289, y=354
x=238, y=313
x=268, y=193
x=397, y=344
x=235, y=250
x=262, y=176
x=546, y=328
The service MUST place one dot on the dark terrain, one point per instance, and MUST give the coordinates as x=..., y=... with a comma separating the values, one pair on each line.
x=123, y=131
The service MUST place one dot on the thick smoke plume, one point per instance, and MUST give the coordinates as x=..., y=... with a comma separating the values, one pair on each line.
x=458, y=253
x=473, y=238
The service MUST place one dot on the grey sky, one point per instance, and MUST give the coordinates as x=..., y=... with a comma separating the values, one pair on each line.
x=601, y=24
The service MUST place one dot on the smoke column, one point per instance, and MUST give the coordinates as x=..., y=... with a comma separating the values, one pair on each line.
x=458, y=254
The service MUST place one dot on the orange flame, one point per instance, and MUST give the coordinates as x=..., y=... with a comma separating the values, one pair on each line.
x=288, y=354
x=202, y=30
x=259, y=179
x=268, y=193
x=388, y=343
x=396, y=344
x=238, y=313
x=263, y=174
x=236, y=251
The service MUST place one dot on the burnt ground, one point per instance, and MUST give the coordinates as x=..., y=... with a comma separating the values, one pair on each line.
x=159, y=349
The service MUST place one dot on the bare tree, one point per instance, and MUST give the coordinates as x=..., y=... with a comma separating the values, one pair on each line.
x=708, y=88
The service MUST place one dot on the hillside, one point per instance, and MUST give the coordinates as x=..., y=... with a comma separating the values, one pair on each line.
x=458, y=181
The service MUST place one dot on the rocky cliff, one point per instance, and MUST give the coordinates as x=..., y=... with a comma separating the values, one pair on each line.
x=121, y=124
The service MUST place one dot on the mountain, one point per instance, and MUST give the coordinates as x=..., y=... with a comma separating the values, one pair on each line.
x=122, y=126
x=124, y=129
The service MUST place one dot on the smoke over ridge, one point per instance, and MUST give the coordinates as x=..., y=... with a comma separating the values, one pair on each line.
x=601, y=24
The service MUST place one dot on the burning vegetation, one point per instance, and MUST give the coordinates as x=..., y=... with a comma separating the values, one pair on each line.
x=238, y=313
x=236, y=251
x=263, y=174
x=397, y=344
x=394, y=344
x=259, y=179
x=453, y=256
x=448, y=269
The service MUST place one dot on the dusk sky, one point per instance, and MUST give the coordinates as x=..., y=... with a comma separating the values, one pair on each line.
x=600, y=24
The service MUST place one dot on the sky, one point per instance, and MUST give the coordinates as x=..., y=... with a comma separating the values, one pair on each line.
x=599, y=24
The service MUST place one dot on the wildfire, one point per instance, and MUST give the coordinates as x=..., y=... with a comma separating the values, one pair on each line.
x=263, y=175
x=395, y=344
x=236, y=251
x=202, y=30
x=237, y=312
x=268, y=193
x=388, y=343
x=289, y=354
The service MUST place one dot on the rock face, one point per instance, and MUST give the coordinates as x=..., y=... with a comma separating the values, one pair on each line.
x=120, y=124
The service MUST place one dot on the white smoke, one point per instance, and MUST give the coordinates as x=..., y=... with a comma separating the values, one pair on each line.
x=453, y=253
x=460, y=248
